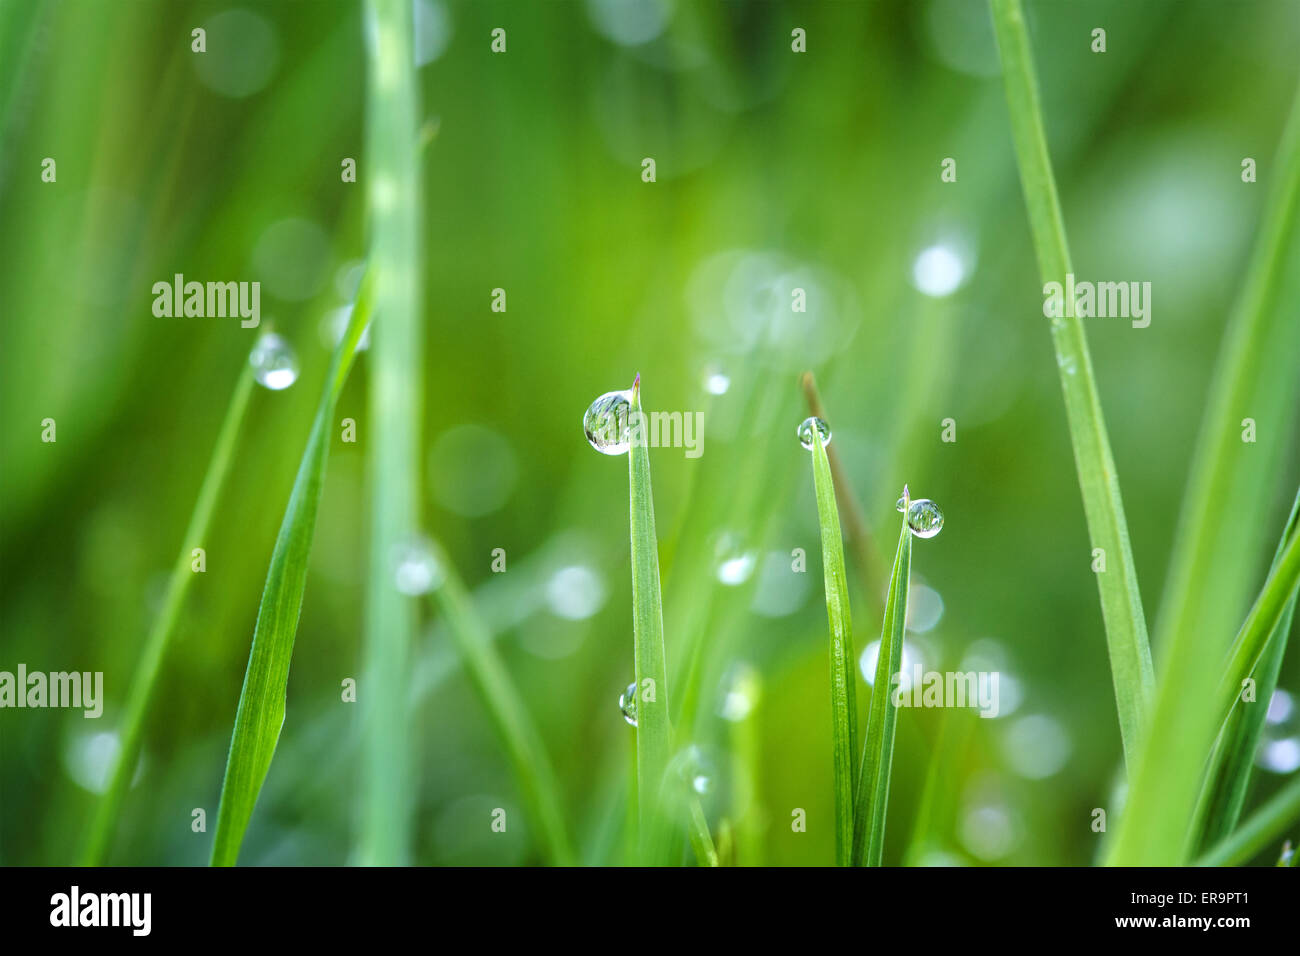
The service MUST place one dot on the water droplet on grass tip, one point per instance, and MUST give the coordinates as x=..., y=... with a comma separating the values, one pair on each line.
x=274, y=364
x=925, y=518
x=627, y=704
x=606, y=423
x=811, y=426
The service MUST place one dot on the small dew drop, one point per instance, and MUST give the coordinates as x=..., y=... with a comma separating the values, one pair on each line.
x=924, y=518
x=606, y=423
x=415, y=569
x=627, y=704
x=274, y=364
x=811, y=426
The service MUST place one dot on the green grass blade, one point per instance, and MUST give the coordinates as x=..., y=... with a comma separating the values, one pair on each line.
x=396, y=390
x=1168, y=838
x=1224, y=516
x=1221, y=533
x=1121, y=604
x=1266, y=825
x=141, y=694
x=1234, y=756
x=878, y=748
x=261, y=701
x=653, y=730
x=844, y=706
x=502, y=701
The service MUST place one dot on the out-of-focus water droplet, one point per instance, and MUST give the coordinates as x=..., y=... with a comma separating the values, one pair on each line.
x=939, y=271
x=627, y=704
x=1279, y=740
x=814, y=426
x=987, y=656
x=924, y=608
x=1036, y=746
x=695, y=769
x=606, y=423
x=334, y=325
x=736, y=570
x=912, y=661
x=575, y=592
x=716, y=382
x=90, y=759
x=739, y=692
x=274, y=364
x=925, y=518
x=416, y=570
x=989, y=827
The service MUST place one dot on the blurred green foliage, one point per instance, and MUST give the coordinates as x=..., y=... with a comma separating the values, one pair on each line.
x=774, y=170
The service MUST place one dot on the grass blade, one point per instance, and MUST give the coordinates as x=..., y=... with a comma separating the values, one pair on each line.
x=1234, y=755
x=395, y=404
x=1220, y=531
x=1263, y=827
x=140, y=697
x=653, y=730
x=878, y=748
x=1121, y=604
x=1168, y=838
x=511, y=720
x=844, y=706
x=261, y=701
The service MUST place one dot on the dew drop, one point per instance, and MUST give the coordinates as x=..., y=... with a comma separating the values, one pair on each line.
x=1279, y=741
x=606, y=423
x=627, y=704
x=274, y=364
x=807, y=429
x=924, y=518
x=415, y=569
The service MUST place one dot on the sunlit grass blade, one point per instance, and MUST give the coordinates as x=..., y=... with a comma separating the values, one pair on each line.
x=143, y=683
x=396, y=395
x=1233, y=762
x=1260, y=830
x=878, y=747
x=1121, y=604
x=502, y=701
x=844, y=706
x=653, y=730
x=261, y=701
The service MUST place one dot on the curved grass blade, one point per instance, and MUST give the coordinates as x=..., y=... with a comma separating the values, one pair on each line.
x=653, y=730
x=140, y=697
x=396, y=393
x=261, y=701
x=878, y=748
x=511, y=720
x=1265, y=826
x=844, y=705
x=1121, y=604
x=1234, y=754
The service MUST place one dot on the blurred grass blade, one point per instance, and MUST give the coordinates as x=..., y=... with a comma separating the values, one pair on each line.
x=1224, y=518
x=1262, y=828
x=141, y=694
x=511, y=720
x=1234, y=753
x=1221, y=534
x=1121, y=604
x=261, y=701
x=878, y=748
x=844, y=706
x=396, y=392
x=653, y=731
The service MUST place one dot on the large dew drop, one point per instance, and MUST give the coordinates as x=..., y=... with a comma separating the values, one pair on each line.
x=627, y=704
x=606, y=423
x=925, y=518
x=274, y=364
x=814, y=426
